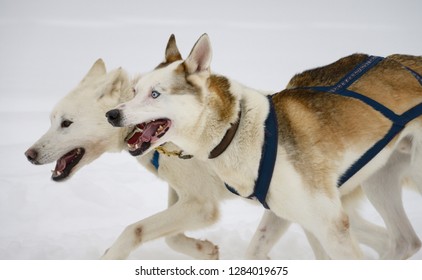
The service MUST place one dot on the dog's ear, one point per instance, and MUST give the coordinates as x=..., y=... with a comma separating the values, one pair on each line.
x=199, y=58
x=172, y=52
x=113, y=85
x=97, y=70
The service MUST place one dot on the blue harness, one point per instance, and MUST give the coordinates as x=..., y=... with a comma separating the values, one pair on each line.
x=398, y=121
x=155, y=160
x=269, y=149
x=268, y=158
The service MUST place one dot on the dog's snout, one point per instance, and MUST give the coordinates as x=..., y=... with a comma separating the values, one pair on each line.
x=32, y=155
x=114, y=117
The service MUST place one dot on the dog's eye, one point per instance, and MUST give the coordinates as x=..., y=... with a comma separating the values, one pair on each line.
x=65, y=123
x=134, y=91
x=155, y=94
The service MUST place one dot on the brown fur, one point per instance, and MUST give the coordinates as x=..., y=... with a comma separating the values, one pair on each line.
x=138, y=234
x=199, y=246
x=220, y=86
x=172, y=53
x=327, y=75
x=409, y=61
x=314, y=125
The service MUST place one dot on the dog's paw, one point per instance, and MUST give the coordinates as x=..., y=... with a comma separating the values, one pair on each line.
x=109, y=255
x=208, y=250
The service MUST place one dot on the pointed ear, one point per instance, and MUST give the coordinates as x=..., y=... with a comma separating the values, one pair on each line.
x=199, y=58
x=113, y=84
x=97, y=70
x=172, y=52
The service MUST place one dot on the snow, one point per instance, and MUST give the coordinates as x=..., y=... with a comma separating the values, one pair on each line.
x=46, y=48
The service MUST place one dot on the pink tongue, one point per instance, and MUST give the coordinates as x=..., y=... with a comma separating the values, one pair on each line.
x=149, y=132
x=61, y=163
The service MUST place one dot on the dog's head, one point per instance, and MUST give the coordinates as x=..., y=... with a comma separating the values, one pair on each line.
x=78, y=133
x=169, y=101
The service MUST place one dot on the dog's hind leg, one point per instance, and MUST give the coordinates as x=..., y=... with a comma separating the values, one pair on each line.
x=416, y=163
x=198, y=249
x=187, y=214
x=269, y=231
x=383, y=189
x=272, y=227
x=370, y=234
x=320, y=214
x=333, y=232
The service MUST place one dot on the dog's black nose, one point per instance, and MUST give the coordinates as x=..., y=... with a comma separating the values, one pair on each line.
x=113, y=117
x=32, y=155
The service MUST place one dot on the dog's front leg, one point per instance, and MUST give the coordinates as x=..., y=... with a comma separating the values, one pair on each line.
x=173, y=220
x=269, y=231
x=198, y=249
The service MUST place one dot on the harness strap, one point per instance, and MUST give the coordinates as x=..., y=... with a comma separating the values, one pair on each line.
x=268, y=158
x=415, y=74
x=155, y=160
x=398, y=121
x=396, y=127
x=356, y=73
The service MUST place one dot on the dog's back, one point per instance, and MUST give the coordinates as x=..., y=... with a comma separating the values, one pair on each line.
x=316, y=124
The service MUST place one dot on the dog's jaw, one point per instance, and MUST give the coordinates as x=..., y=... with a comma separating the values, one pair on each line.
x=147, y=134
x=66, y=163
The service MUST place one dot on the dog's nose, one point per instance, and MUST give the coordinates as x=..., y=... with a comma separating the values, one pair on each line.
x=32, y=155
x=113, y=117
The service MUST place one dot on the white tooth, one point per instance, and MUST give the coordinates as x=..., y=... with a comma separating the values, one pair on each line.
x=59, y=173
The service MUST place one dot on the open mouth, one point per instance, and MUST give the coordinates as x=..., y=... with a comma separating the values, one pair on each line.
x=145, y=134
x=65, y=164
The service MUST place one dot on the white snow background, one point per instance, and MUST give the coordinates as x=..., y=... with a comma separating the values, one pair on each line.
x=47, y=46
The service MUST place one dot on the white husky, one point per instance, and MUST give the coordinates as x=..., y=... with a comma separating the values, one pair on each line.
x=320, y=135
x=79, y=134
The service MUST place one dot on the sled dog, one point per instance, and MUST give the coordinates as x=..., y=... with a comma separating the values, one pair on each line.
x=324, y=129
x=79, y=134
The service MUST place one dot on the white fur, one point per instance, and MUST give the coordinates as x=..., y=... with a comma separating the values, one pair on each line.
x=318, y=208
x=194, y=190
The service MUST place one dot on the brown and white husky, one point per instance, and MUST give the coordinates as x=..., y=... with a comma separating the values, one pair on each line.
x=79, y=134
x=320, y=136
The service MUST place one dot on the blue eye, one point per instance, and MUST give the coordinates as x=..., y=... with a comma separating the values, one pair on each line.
x=155, y=94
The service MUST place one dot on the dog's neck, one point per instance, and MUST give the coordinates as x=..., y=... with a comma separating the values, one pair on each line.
x=238, y=163
x=227, y=139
